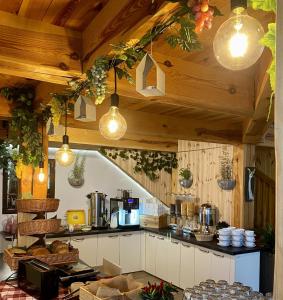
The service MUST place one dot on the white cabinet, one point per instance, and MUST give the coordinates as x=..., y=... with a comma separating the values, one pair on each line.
x=108, y=248
x=202, y=264
x=130, y=252
x=173, y=262
x=150, y=253
x=220, y=266
x=187, y=266
x=143, y=235
x=87, y=246
x=162, y=258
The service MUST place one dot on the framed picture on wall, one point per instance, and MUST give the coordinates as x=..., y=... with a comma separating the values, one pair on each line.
x=11, y=188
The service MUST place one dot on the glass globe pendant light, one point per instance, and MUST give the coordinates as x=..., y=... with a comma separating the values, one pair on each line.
x=237, y=42
x=41, y=175
x=113, y=125
x=65, y=156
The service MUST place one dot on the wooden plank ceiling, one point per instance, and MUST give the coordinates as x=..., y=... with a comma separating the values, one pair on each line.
x=53, y=40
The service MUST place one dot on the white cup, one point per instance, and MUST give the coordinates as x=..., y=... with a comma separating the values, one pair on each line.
x=249, y=233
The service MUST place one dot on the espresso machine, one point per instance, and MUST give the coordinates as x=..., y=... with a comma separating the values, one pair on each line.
x=128, y=211
x=98, y=211
x=208, y=218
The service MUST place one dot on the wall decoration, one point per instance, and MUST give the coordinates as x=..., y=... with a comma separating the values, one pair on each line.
x=54, y=130
x=148, y=162
x=186, y=179
x=76, y=176
x=142, y=72
x=226, y=181
x=84, y=109
x=250, y=183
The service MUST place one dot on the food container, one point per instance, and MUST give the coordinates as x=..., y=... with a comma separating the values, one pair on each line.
x=75, y=217
x=204, y=237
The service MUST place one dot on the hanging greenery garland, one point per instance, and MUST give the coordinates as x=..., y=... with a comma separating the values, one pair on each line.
x=190, y=17
x=148, y=162
x=24, y=137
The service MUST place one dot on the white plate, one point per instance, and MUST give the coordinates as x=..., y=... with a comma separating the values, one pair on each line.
x=237, y=245
x=224, y=238
x=250, y=245
x=224, y=244
x=250, y=239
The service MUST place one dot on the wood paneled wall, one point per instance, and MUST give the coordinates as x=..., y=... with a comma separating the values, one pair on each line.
x=265, y=161
x=160, y=188
x=203, y=159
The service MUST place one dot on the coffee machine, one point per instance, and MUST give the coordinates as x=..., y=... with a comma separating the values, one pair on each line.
x=128, y=211
x=98, y=212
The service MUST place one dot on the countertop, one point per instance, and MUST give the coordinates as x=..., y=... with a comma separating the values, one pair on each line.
x=164, y=232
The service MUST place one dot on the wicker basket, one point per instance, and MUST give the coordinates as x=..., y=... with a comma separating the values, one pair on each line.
x=39, y=226
x=37, y=205
x=202, y=237
x=51, y=259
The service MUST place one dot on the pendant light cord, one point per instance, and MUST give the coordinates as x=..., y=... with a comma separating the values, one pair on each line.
x=42, y=140
x=66, y=117
x=115, y=80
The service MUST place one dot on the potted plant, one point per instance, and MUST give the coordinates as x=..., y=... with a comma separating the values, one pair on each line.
x=186, y=179
x=226, y=172
x=76, y=176
x=267, y=259
x=162, y=291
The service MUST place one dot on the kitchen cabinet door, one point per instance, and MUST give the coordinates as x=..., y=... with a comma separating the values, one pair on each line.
x=150, y=253
x=162, y=258
x=220, y=266
x=173, y=262
x=187, y=266
x=202, y=265
x=108, y=248
x=87, y=246
x=130, y=252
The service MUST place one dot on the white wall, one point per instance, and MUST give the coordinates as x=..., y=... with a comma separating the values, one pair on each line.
x=100, y=175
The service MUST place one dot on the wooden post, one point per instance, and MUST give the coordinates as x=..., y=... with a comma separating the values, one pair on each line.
x=278, y=130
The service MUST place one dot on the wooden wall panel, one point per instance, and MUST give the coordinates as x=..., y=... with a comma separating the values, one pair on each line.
x=203, y=160
x=160, y=188
x=265, y=161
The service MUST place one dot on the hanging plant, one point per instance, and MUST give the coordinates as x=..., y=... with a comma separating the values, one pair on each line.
x=151, y=163
x=186, y=179
x=226, y=172
x=24, y=136
x=76, y=176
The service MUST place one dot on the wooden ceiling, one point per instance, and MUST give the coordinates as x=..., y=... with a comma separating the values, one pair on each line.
x=53, y=40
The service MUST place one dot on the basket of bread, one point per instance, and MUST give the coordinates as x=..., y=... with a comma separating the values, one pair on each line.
x=57, y=253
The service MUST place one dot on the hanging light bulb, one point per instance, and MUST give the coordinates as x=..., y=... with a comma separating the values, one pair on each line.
x=65, y=156
x=236, y=44
x=113, y=125
x=41, y=175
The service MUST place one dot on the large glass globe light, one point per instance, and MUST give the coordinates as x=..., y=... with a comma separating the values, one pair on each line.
x=237, y=42
x=65, y=156
x=112, y=125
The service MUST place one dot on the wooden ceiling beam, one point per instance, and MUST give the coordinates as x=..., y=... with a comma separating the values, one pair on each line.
x=188, y=84
x=38, y=50
x=256, y=126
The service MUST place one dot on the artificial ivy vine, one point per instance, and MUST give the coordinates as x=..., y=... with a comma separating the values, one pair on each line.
x=148, y=162
x=24, y=137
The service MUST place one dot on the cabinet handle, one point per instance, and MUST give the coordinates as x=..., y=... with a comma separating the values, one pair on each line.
x=187, y=246
x=79, y=240
x=112, y=236
x=218, y=255
x=174, y=242
x=129, y=234
x=160, y=238
x=152, y=235
x=205, y=251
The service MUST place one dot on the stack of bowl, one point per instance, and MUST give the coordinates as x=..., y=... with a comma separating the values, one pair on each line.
x=224, y=239
x=249, y=238
x=238, y=237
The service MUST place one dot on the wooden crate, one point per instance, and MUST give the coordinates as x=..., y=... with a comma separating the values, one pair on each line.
x=154, y=221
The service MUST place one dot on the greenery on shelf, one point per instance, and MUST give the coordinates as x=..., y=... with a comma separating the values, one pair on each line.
x=162, y=291
x=24, y=137
x=148, y=162
x=226, y=166
x=185, y=173
x=6, y=155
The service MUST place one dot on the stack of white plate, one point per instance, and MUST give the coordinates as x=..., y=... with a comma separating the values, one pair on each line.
x=224, y=239
x=249, y=238
x=238, y=237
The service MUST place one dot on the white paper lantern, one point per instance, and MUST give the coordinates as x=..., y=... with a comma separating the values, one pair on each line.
x=85, y=109
x=142, y=71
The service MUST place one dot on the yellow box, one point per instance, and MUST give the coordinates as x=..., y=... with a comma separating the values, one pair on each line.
x=75, y=216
